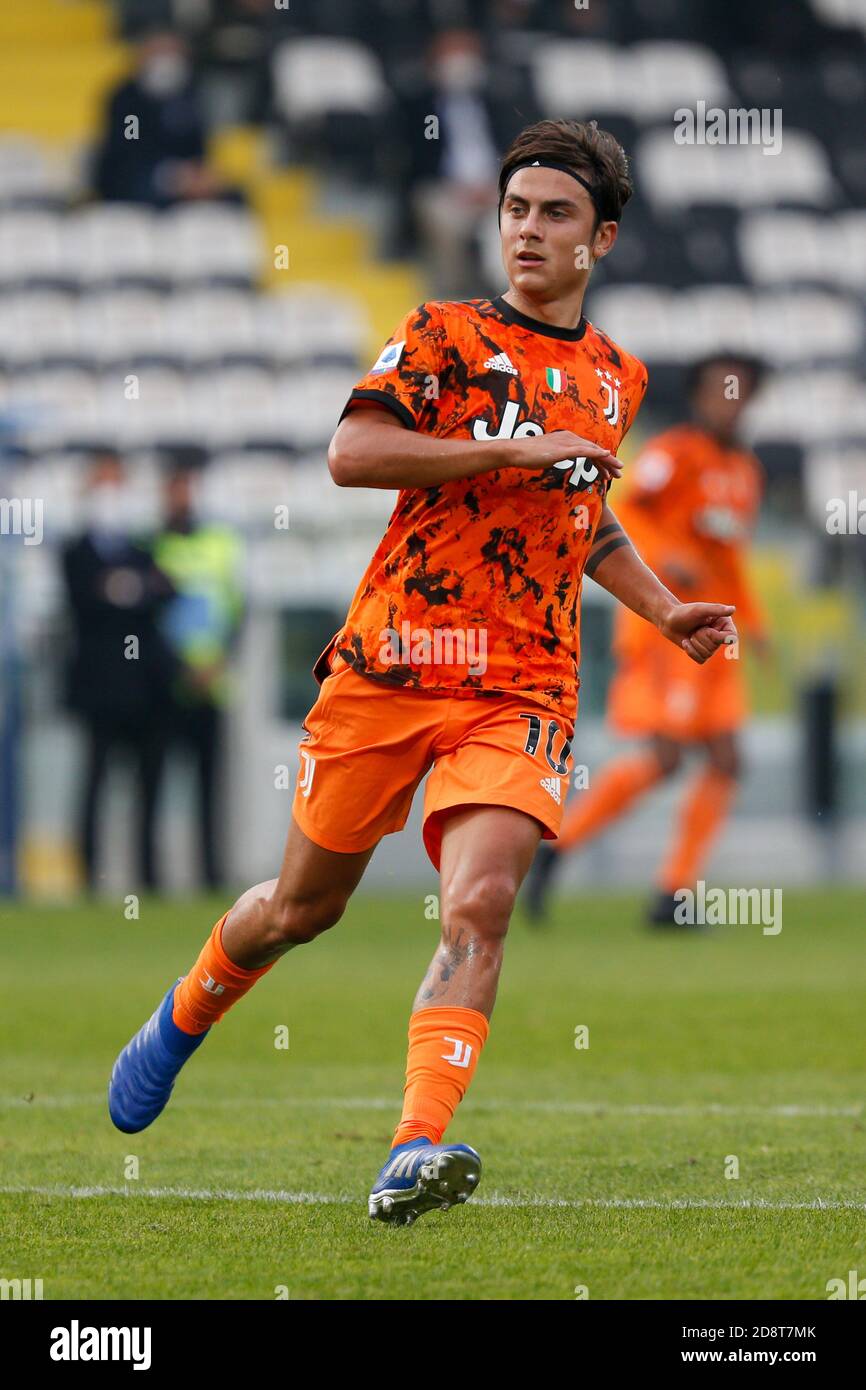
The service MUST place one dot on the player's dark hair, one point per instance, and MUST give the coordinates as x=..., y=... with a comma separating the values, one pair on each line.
x=743, y=361
x=594, y=154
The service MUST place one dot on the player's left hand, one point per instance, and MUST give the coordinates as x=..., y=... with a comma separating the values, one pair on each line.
x=699, y=628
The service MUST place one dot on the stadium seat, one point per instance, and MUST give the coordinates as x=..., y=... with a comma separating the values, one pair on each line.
x=847, y=13
x=308, y=404
x=573, y=77
x=232, y=406
x=123, y=323
x=781, y=246
x=833, y=473
x=159, y=412
x=38, y=325
x=112, y=241
x=209, y=324
x=665, y=75
x=808, y=326
x=32, y=247
x=814, y=406
x=32, y=171
x=244, y=488
x=209, y=241
x=676, y=176
x=314, y=76
x=50, y=407
x=639, y=316
x=310, y=322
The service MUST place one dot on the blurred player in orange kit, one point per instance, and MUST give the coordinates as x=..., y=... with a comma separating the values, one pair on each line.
x=498, y=423
x=690, y=504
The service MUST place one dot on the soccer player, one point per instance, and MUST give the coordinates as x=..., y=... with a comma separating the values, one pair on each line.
x=498, y=421
x=691, y=503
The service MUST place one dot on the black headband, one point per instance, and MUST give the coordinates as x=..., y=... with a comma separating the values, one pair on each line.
x=552, y=164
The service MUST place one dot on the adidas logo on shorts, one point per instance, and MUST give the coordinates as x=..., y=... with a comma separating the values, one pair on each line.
x=501, y=363
x=551, y=784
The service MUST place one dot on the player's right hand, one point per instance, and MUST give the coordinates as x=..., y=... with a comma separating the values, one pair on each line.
x=545, y=450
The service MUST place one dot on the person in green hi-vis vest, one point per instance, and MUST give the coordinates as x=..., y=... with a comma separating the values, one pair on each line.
x=203, y=562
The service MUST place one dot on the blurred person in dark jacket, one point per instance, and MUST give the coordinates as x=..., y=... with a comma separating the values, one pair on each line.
x=159, y=157
x=202, y=560
x=121, y=668
x=453, y=124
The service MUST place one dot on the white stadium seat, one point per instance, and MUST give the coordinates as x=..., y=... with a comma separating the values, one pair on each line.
x=38, y=323
x=664, y=76
x=830, y=473
x=209, y=240
x=313, y=76
x=849, y=13
x=309, y=403
x=112, y=241
x=577, y=77
x=230, y=405
x=34, y=169
x=675, y=176
x=574, y=77
x=32, y=246
x=799, y=246
x=207, y=323
x=310, y=320
x=121, y=323
x=790, y=326
x=813, y=406
x=245, y=488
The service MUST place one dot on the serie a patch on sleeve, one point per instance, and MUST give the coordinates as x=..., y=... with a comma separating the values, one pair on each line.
x=388, y=358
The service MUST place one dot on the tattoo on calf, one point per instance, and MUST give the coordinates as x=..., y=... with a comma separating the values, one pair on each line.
x=451, y=955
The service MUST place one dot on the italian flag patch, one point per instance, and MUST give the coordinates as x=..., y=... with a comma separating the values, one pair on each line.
x=555, y=378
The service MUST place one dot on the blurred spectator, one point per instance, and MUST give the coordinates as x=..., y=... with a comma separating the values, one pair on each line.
x=455, y=126
x=202, y=560
x=121, y=669
x=153, y=149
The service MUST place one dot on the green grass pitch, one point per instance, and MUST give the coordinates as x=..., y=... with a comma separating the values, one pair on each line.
x=604, y=1167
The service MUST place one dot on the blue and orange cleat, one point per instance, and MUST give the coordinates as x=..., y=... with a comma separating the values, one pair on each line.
x=144, y=1073
x=421, y=1176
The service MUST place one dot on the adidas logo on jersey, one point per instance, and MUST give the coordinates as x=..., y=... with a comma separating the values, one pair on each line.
x=551, y=784
x=501, y=363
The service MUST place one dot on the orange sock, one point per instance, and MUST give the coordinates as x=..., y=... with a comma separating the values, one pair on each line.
x=703, y=814
x=444, y=1045
x=617, y=786
x=212, y=986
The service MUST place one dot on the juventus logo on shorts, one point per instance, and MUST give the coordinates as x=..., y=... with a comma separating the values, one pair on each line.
x=308, y=772
x=462, y=1054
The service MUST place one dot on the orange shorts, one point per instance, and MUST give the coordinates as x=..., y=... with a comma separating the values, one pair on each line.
x=659, y=690
x=368, y=746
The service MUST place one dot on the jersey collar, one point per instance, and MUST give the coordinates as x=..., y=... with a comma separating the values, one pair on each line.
x=548, y=330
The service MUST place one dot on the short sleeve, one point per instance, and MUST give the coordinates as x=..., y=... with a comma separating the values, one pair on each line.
x=405, y=376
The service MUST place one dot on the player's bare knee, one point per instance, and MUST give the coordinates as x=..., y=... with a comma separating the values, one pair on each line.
x=483, y=907
x=294, y=920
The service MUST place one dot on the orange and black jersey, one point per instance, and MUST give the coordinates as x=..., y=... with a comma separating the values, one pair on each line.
x=495, y=560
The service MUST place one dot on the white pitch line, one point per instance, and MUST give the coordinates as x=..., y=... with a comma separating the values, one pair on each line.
x=597, y=1108
x=495, y=1199
x=558, y=1107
